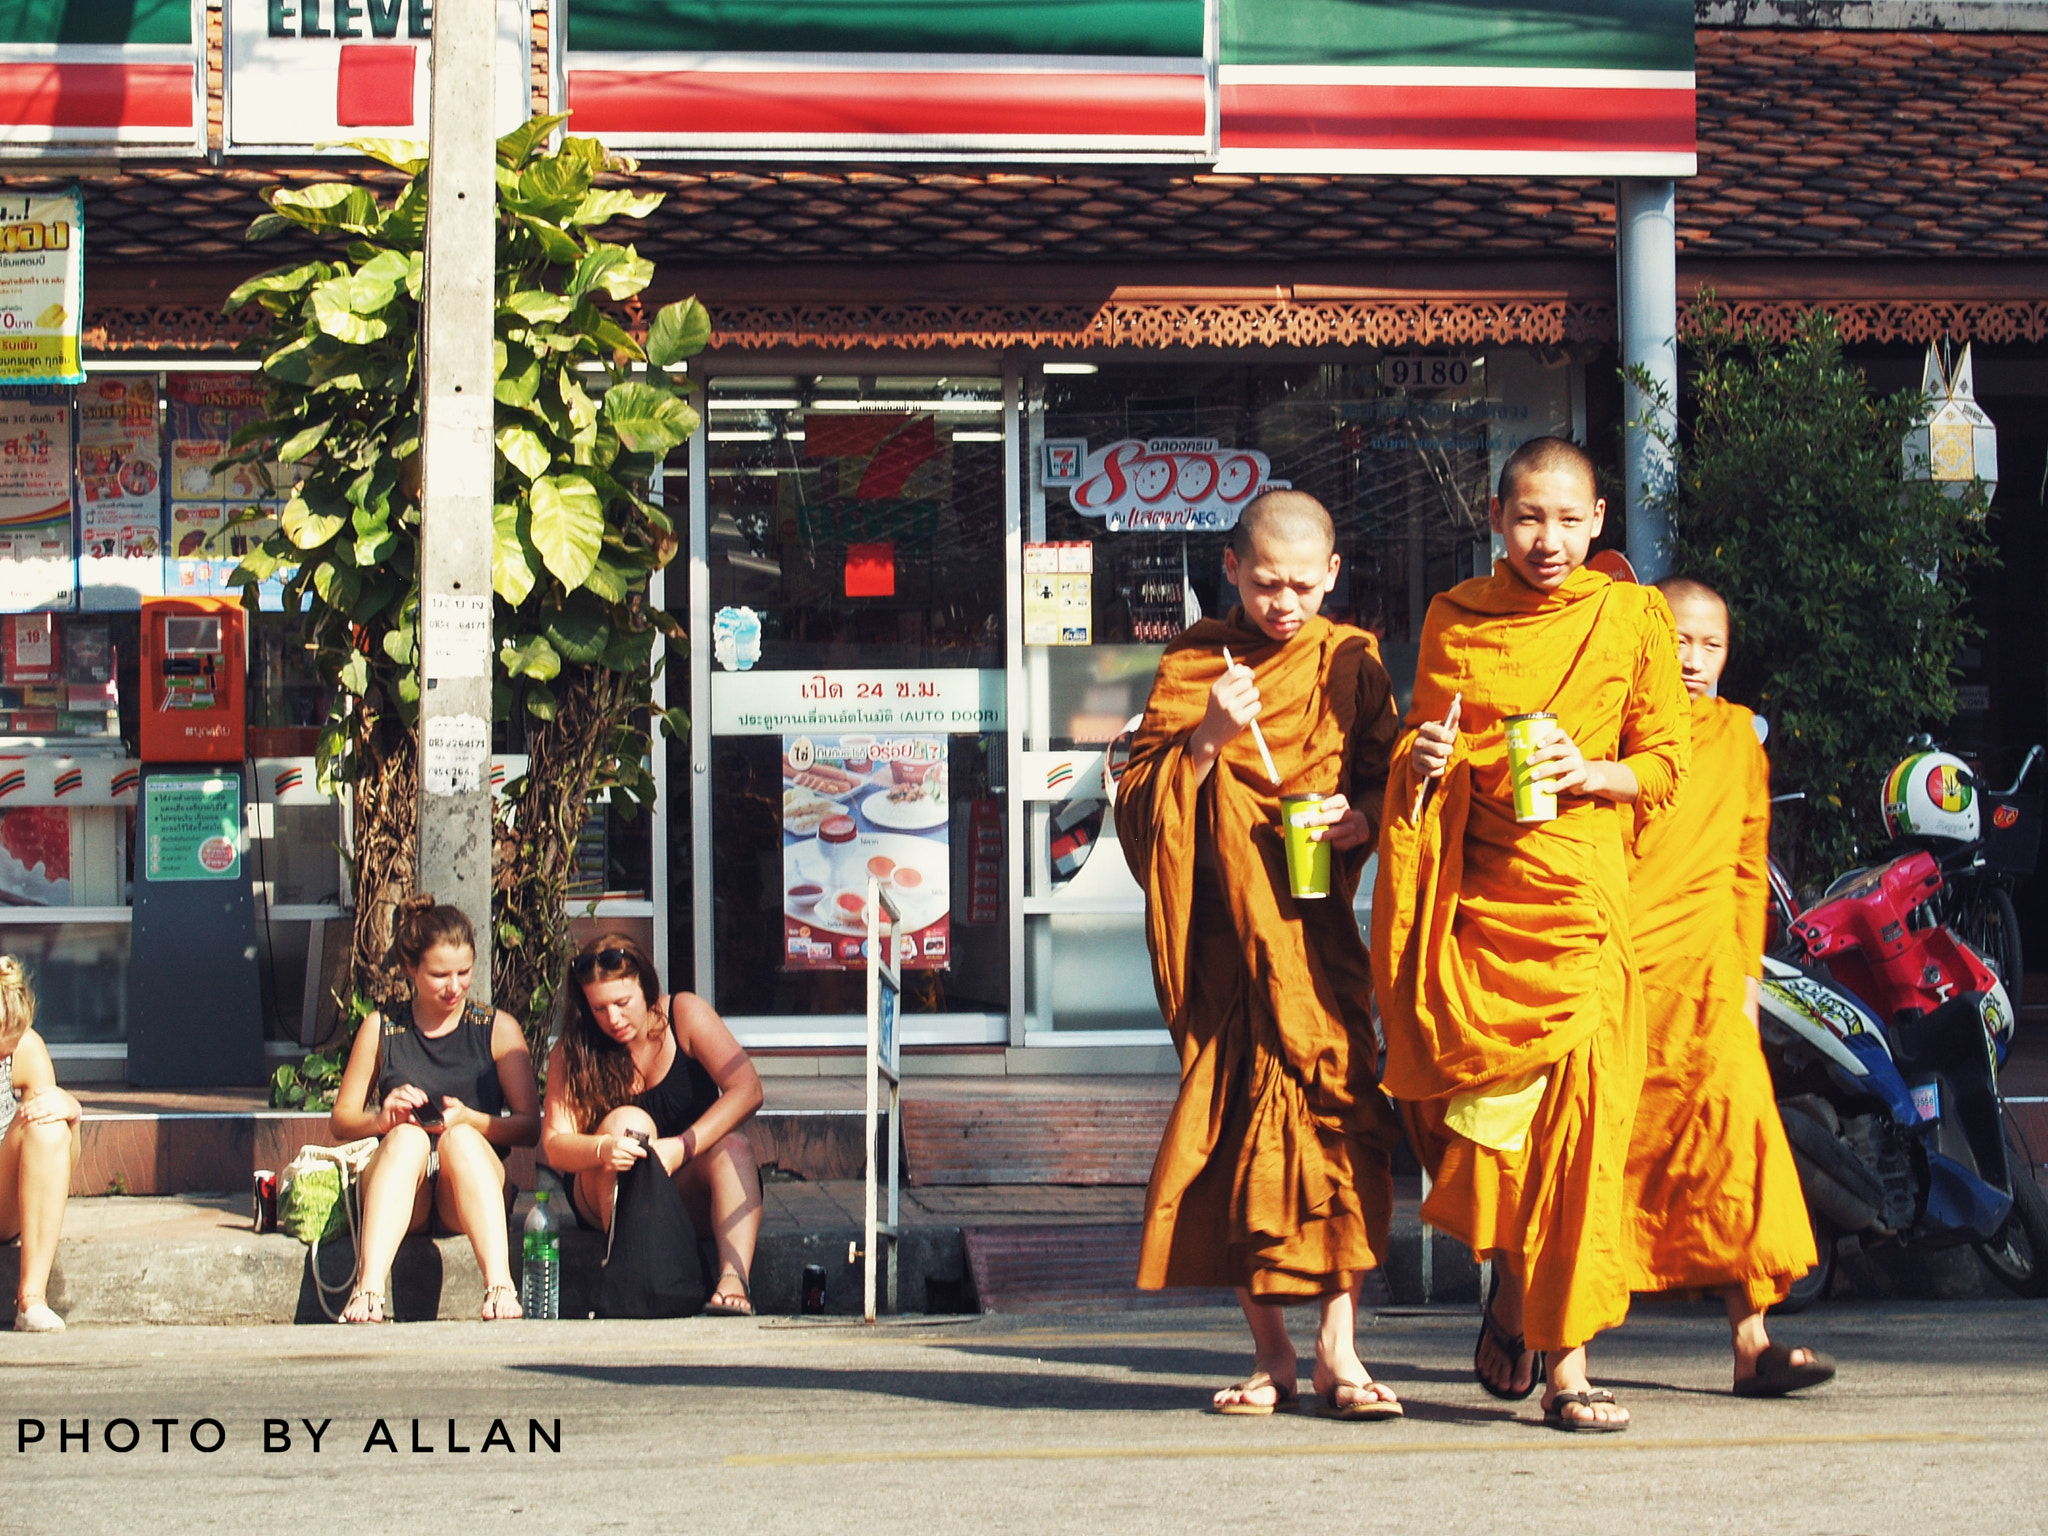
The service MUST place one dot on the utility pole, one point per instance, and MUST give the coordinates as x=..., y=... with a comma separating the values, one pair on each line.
x=455, y=642
x=1646, y=261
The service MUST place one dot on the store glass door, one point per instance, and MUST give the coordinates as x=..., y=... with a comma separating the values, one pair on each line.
x=849, y=674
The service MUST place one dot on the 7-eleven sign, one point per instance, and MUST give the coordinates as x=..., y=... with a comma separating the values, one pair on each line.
x=301, y=73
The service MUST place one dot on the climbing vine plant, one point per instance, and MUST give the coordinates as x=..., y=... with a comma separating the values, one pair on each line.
x=584, y=415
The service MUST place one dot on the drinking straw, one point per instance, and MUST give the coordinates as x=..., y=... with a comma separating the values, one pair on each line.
x=1258, y=735
x=1422, y=794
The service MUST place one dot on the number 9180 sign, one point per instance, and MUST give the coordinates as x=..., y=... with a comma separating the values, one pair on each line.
x=1402, y=371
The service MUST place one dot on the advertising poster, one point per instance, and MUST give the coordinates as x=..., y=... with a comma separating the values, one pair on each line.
x=42, y=287
x=120, y=492
x=206, y=411
x=192, y=825
x=856, y=806
x=36, y=565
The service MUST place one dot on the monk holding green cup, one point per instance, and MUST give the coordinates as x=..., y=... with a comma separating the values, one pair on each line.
x=1308, y=852
x=1535, y=797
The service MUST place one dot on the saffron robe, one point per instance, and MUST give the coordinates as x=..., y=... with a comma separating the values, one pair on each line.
x=1713, y=1193
x=1275, y=1169
x=1505, y=974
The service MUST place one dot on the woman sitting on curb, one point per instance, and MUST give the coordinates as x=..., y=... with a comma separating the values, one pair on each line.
x=38, y=1149
x=631, y=1060
x=444, y=1068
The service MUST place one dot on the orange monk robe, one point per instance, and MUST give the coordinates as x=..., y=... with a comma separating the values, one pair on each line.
x=1275, y=1169
x=1713, y=1194
x=1501, y=952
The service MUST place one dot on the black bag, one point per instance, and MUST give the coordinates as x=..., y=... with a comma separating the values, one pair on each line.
x=651, y=1266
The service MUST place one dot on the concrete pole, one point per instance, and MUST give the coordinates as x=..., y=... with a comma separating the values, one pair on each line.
x=456, y=463
x=1646, y=280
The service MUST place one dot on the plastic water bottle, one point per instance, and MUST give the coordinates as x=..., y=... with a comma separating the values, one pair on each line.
x=540, y=1276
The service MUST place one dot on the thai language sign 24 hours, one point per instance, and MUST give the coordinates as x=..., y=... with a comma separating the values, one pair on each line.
x=942, y=700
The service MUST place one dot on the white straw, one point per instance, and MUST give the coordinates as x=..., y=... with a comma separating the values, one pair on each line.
x=1258, y=735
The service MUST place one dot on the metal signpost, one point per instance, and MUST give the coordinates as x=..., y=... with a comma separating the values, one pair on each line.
x=455, y=544
x=885, y=982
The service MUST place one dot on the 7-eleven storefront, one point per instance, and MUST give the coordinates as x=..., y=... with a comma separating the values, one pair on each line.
x=1041, y=296
x=947, y=513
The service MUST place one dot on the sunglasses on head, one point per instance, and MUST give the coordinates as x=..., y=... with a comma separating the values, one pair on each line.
x=583, y=966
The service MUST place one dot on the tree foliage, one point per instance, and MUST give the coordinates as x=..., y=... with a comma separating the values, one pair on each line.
x=1848, y=584
x=584, y=413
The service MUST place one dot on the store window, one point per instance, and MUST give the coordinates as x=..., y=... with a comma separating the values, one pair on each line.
x=1148, y=467
x=858, y=593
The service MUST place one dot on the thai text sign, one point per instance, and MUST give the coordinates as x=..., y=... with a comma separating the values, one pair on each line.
x=42, y=287
x=946, y=700
x=193, y=825
x=1190, y=483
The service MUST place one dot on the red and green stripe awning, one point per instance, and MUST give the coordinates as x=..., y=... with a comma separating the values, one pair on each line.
x=107, y=73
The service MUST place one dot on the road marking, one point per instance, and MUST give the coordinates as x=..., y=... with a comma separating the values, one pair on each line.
x=1319, y=1448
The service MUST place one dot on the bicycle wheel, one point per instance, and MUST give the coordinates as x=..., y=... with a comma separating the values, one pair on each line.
x=1992, y=928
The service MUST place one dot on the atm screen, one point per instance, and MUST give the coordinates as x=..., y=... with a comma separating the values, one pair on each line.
x=191, y=635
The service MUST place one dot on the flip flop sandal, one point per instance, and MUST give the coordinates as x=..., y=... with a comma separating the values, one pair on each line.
x=1285, y=1399
x=1776, y=1375
x=1554, y=1415
x=1360, y=1410
x=493, y=1304
x=372, y=1300
x=724, y=1304
x=1510, y=1344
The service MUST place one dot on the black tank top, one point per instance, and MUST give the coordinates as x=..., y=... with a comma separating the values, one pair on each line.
x=679, y=1100
x=456, y=1065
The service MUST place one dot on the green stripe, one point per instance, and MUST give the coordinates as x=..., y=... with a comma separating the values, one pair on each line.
x=1141, y=28
x=1534, y=34
x=96, y=21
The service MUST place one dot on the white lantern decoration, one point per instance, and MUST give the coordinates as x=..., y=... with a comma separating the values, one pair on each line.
x=1954, y=442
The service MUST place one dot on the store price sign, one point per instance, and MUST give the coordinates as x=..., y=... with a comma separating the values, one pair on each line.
x=192, y=825
x=940, y=700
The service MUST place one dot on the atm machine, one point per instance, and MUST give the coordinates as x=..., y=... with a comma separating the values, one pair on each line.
x=195, y=1011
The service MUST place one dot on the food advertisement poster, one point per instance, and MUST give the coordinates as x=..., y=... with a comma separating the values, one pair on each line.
x=36, y=565
x=120, y=492
x=858, y=806
x=206, y=540
x=42, y=286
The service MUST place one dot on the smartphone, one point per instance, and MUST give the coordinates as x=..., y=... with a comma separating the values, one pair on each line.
x=429, y=1113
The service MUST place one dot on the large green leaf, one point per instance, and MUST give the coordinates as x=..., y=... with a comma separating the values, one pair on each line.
x=516, y=147
x=679, y=330
x=512, y=572
x=606, y=581
x=612, y=268
x=284, y=280
x=568, y=526
x=541, y=702
x=299, y=444
x=355, y=674
x=582, y=409
x=648, y=418
x=554, y=186
x=554, y=244
x=604, y=204
x=523, y=450
x=328, y=206
x=305, y=527
x=580, y=633
x=538, y=305
x=335, y=311
x=518, y=375
x=407, y=155
x=531, y=656
x=400, y=645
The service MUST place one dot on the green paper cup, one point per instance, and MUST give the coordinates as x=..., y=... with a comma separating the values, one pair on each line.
x=1308, y=858
x=1534, y=798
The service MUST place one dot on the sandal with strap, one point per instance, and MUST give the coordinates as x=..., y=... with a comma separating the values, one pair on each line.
x=373, y=1306
x=1362, y=1409
x=1285, y=1399
x=1554, y=1414
x=495, y=1299
x=723, y=1303
x=1776, y=1375
x=1510, y=1344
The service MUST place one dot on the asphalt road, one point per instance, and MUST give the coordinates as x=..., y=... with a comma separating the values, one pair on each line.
x=1939, y=1422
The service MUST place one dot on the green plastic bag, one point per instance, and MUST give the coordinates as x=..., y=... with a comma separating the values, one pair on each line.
x=311, y=1208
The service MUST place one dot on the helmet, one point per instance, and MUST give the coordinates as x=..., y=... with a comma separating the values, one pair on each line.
x=1932, y=794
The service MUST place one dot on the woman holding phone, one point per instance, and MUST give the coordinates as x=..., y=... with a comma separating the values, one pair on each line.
x=638, y=1073
x=454, y=1084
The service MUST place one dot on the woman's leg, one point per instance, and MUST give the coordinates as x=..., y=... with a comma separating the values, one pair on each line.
x=470, y=1196
x=394, y=1203
x=722, y=1188
x=595, y=1187
x=35, y=1178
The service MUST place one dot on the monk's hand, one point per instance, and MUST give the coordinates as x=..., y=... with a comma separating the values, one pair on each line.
x=1434, y=741
x=1338, y=823
x=1233, y=705
x=1560, y=761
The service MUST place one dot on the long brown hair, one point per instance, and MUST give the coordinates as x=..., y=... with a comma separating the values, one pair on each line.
x=420, y=923
x=597, y=1071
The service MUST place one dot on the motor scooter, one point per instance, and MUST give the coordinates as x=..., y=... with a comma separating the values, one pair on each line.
x=1884, y=1035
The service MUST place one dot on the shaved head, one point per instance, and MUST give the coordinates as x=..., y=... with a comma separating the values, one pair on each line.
x=1682, y=590
x=1542, y=455
x=1283, y=517
x=1701, y=618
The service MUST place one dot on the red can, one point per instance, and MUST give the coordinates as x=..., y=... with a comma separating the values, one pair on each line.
x=263, y=1200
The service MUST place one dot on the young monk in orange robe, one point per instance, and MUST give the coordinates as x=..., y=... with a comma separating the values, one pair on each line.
x=1274, y=1174
x=1506, y=980
x=1713, y=1193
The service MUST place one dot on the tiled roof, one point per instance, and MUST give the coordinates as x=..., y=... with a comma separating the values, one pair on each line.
x=1852, y=144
